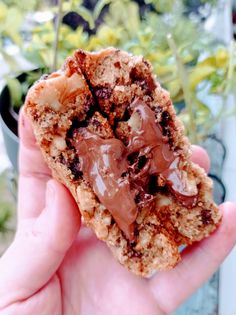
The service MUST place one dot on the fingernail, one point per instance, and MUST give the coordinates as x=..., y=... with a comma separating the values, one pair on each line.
x=50, y=192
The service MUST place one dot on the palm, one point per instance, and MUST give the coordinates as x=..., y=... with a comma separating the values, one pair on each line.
x=55, y=267
x=97, y=284
x=90, y=281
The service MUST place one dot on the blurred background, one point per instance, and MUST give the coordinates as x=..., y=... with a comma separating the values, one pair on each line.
x=191, y=45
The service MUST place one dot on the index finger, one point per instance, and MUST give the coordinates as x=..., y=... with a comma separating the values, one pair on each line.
x=33, y=172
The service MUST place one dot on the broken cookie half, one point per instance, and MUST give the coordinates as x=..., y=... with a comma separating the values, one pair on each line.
x=109, y=132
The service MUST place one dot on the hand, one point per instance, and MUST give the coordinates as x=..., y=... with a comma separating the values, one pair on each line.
x=54, y=266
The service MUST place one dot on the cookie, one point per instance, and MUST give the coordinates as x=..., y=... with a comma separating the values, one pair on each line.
x=109, y=132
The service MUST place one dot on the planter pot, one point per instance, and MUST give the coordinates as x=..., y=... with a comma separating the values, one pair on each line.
x=217, y=153
x=9, y=125
x=9, y=119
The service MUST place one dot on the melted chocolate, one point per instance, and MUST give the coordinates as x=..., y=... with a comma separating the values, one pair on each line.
x=105, y=161
x=149, y=141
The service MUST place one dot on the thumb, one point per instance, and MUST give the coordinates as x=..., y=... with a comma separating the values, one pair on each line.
x=39, y=246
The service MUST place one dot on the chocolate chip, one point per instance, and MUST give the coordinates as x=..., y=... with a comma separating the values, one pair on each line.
x=132, y=253
x=135, y=75
x=138, y=198
x=142, y=197
x=76, y=124
x=146, y=63
x=146, y=84
x=126, y=115
x=165, y=124
x=103, y=92
x=139, y=80
x=158, y=110
x=206, y=217
x=131, y=250
x=96, y=123
x=165, y=117
x=133, y=157
x=89, y=103
x=136, y=231
x=152, y=185
x=139, y=163
x=124, y=174
x=61, y=159
x=75, y=168
x=112, y=108
x=178, y=214
x=151, y=84
x=143, y=84
x=142, y=160
x=117, y=65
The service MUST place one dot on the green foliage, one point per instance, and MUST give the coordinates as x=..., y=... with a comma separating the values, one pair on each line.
x=99, y=7
x=147, y=35
x=10, y=23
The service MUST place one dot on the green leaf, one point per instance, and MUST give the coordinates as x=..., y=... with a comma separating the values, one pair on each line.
x=203, y=112
x=124, y=14
x=87, y=15
x=99, y=6
x=202, y=107
x=174, y=87
x=33, y=76
x=11, y=61
x=15, y=91
x=200, y=73
x=12, y=25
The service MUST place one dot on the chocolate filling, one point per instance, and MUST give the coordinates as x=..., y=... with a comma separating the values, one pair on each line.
x=120, y=175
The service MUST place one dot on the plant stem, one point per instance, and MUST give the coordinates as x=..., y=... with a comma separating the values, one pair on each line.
x=57, y=31
x=187, y=95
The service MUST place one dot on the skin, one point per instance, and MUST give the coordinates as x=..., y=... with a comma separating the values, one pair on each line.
x=55, y=265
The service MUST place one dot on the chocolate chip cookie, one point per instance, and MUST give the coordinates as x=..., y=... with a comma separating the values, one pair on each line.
x=109, y=132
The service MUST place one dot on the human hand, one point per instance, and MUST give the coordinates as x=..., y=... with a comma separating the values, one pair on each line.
x=54, y=266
